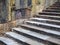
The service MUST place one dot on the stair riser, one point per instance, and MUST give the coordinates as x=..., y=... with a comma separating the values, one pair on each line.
x=50, y=22
x=54, y=8
x=44, y=26
x=56, y=23
x=19, y=41
x=2, y=43
x=50, y=11
x=48, y=14
x=55, y=5
x=41, y=32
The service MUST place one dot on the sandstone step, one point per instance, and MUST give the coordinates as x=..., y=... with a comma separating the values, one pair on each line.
x=23, y=38
x=38, y=23
x=53, y=33
x=44, y=25
x=8, y=41
x=53, y=8
x=48, y=17
x=39, y=36
x=55, y=16
x=47, y=10
x=46, y=20
x=56, y=5
x=38, y=19
x=49, y=13
x=43, y=19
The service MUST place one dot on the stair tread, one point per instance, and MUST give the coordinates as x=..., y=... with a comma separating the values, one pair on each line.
x=38, y=23
x=8, y=41
x=23, y=38
x=43, y=29
x=43, y=19
x=38, y=35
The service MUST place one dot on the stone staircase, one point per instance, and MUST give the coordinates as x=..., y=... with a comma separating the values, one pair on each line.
x=43, y=29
